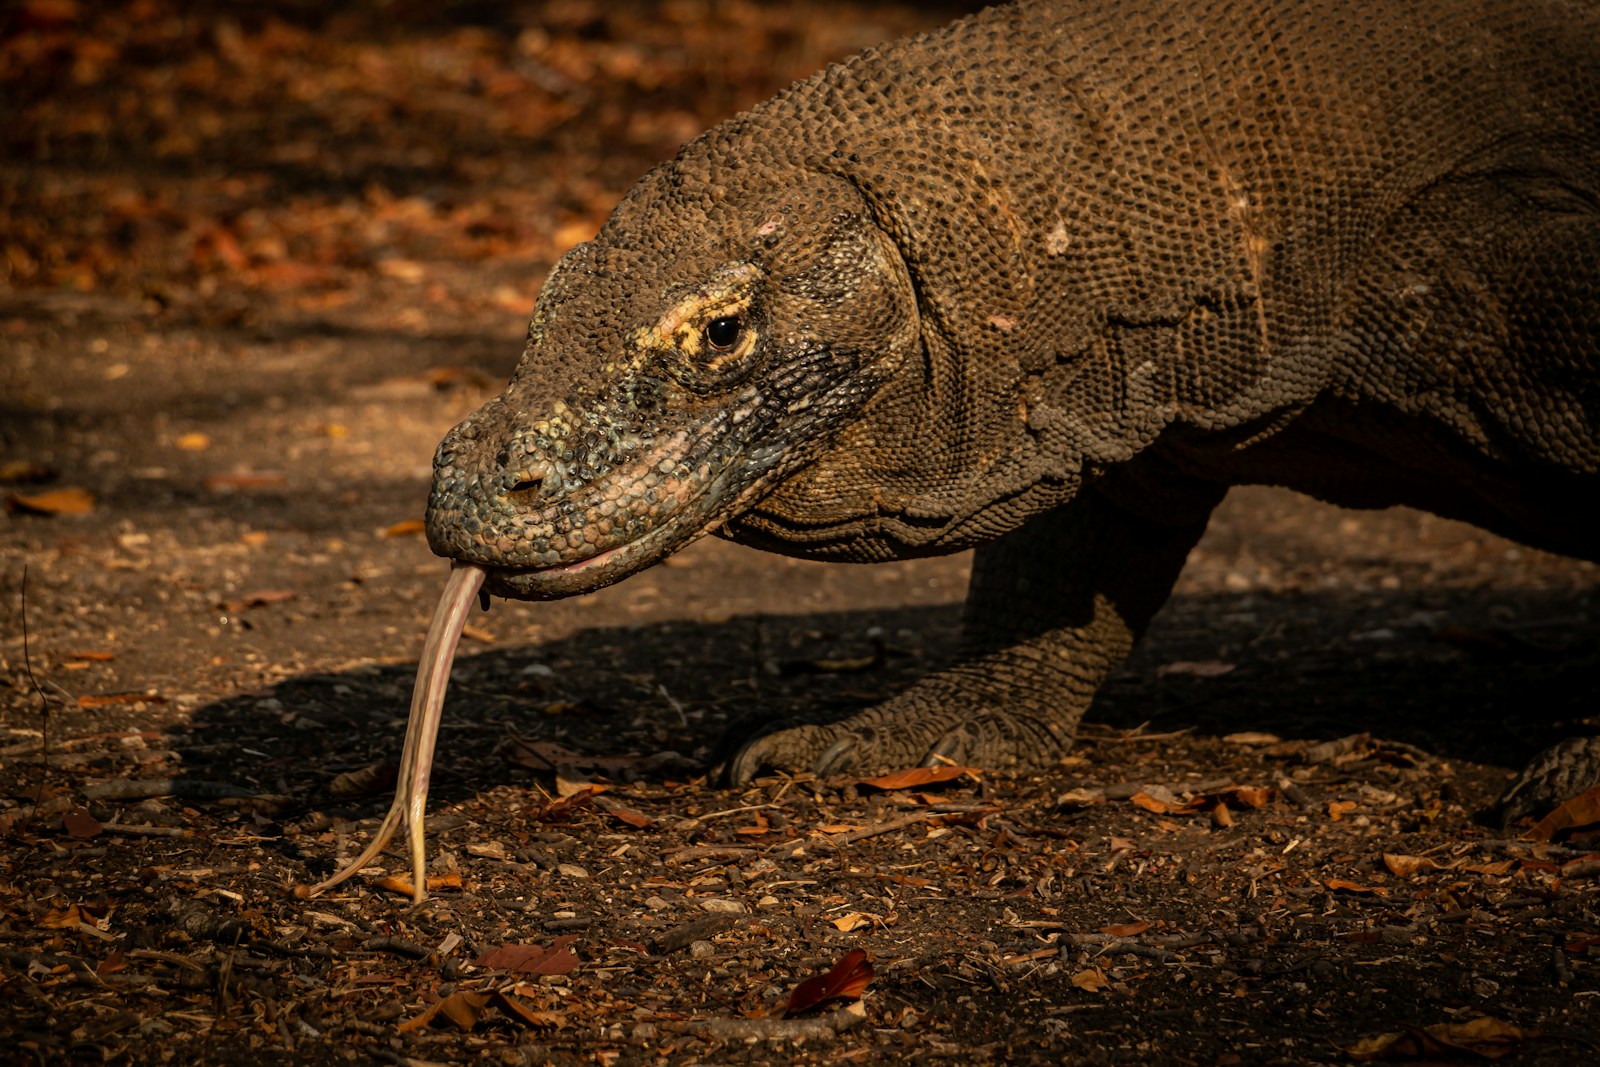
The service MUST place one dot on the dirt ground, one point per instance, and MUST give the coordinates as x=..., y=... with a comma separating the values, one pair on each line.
x=258, y=258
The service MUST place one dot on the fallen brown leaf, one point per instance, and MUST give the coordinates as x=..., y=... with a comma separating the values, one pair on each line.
x=517, y=1009
x=1407, y=866
x=79, y=823
x=1092, y=980
x=1339, y=885
x=70, y=501
x=532, y=959
x=102, y=700
x=918, y=777
x=1581, y=810
x=1484, y=1037
x=1209, y=668
x=395, y=883
x=463, y=1009
x=1126, y=929
x=846, y=981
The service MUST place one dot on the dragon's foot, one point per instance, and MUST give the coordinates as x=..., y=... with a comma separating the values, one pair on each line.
x=902, y=733
x=1559, y=773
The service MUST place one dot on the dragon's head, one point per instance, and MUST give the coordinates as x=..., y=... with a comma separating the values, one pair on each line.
x=711, y=340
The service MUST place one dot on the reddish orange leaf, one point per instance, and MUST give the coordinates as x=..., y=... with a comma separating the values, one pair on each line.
x=395, y=883
x=54, y=502
x=101, y=700
x=1340, y=885
x=532, y=959
x=1126, y=929
x=846, y=981
x=1581, y=810
x=405, y=528
x=95, y=656
x=917, y=777
x=623, y=814
x=1144, y=800
x=79, y=823
x=1251, y=796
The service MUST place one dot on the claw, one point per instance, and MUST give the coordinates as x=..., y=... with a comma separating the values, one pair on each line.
x=837, y=757
x=751, y=756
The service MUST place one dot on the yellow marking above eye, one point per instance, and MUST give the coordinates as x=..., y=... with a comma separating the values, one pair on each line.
x=710, y=324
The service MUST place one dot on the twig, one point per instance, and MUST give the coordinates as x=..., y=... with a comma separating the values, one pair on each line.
x=687, y=934
x=144, y=788
x=705, y=852
x=27, y=665
x=858, y=835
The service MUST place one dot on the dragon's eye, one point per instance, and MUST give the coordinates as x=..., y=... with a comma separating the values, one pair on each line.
x=721, y=334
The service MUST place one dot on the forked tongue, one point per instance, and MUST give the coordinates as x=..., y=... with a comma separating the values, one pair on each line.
x=422, y=731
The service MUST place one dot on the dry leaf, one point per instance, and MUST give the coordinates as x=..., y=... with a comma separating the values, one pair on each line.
x=363, y=780
x=1252, y=796
x=463, y=1009
x=1339, y=885
x=102, y=700
x=98, y=657
x=1144, y=800
x=1338, y=809
x=918, y=777
x=846, y=981
x=1581, y=810
x=70, y=501
x=1492, y=869
x=1127, y=929
x=853, y=921
x=517, y=1009
x=625, y=814
x=395, y=883
x=193, y=442
x=1407, y=866
x=405, y=528
x=1252, y=737
x=1091, y=981
x=532, y=959
x=1483, y=1038
x=79, y=823
x=1210, y=668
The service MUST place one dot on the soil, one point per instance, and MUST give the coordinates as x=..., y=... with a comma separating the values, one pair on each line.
x=259, y=258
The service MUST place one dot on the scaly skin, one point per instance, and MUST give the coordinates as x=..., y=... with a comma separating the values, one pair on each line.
x=1047, y=282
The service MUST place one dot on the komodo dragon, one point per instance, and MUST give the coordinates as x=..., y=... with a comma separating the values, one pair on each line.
x=1045, y=283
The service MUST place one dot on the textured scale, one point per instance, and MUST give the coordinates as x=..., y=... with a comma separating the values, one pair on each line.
x=1047, y=282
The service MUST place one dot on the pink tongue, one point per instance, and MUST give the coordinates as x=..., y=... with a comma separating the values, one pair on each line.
x=422, y=731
